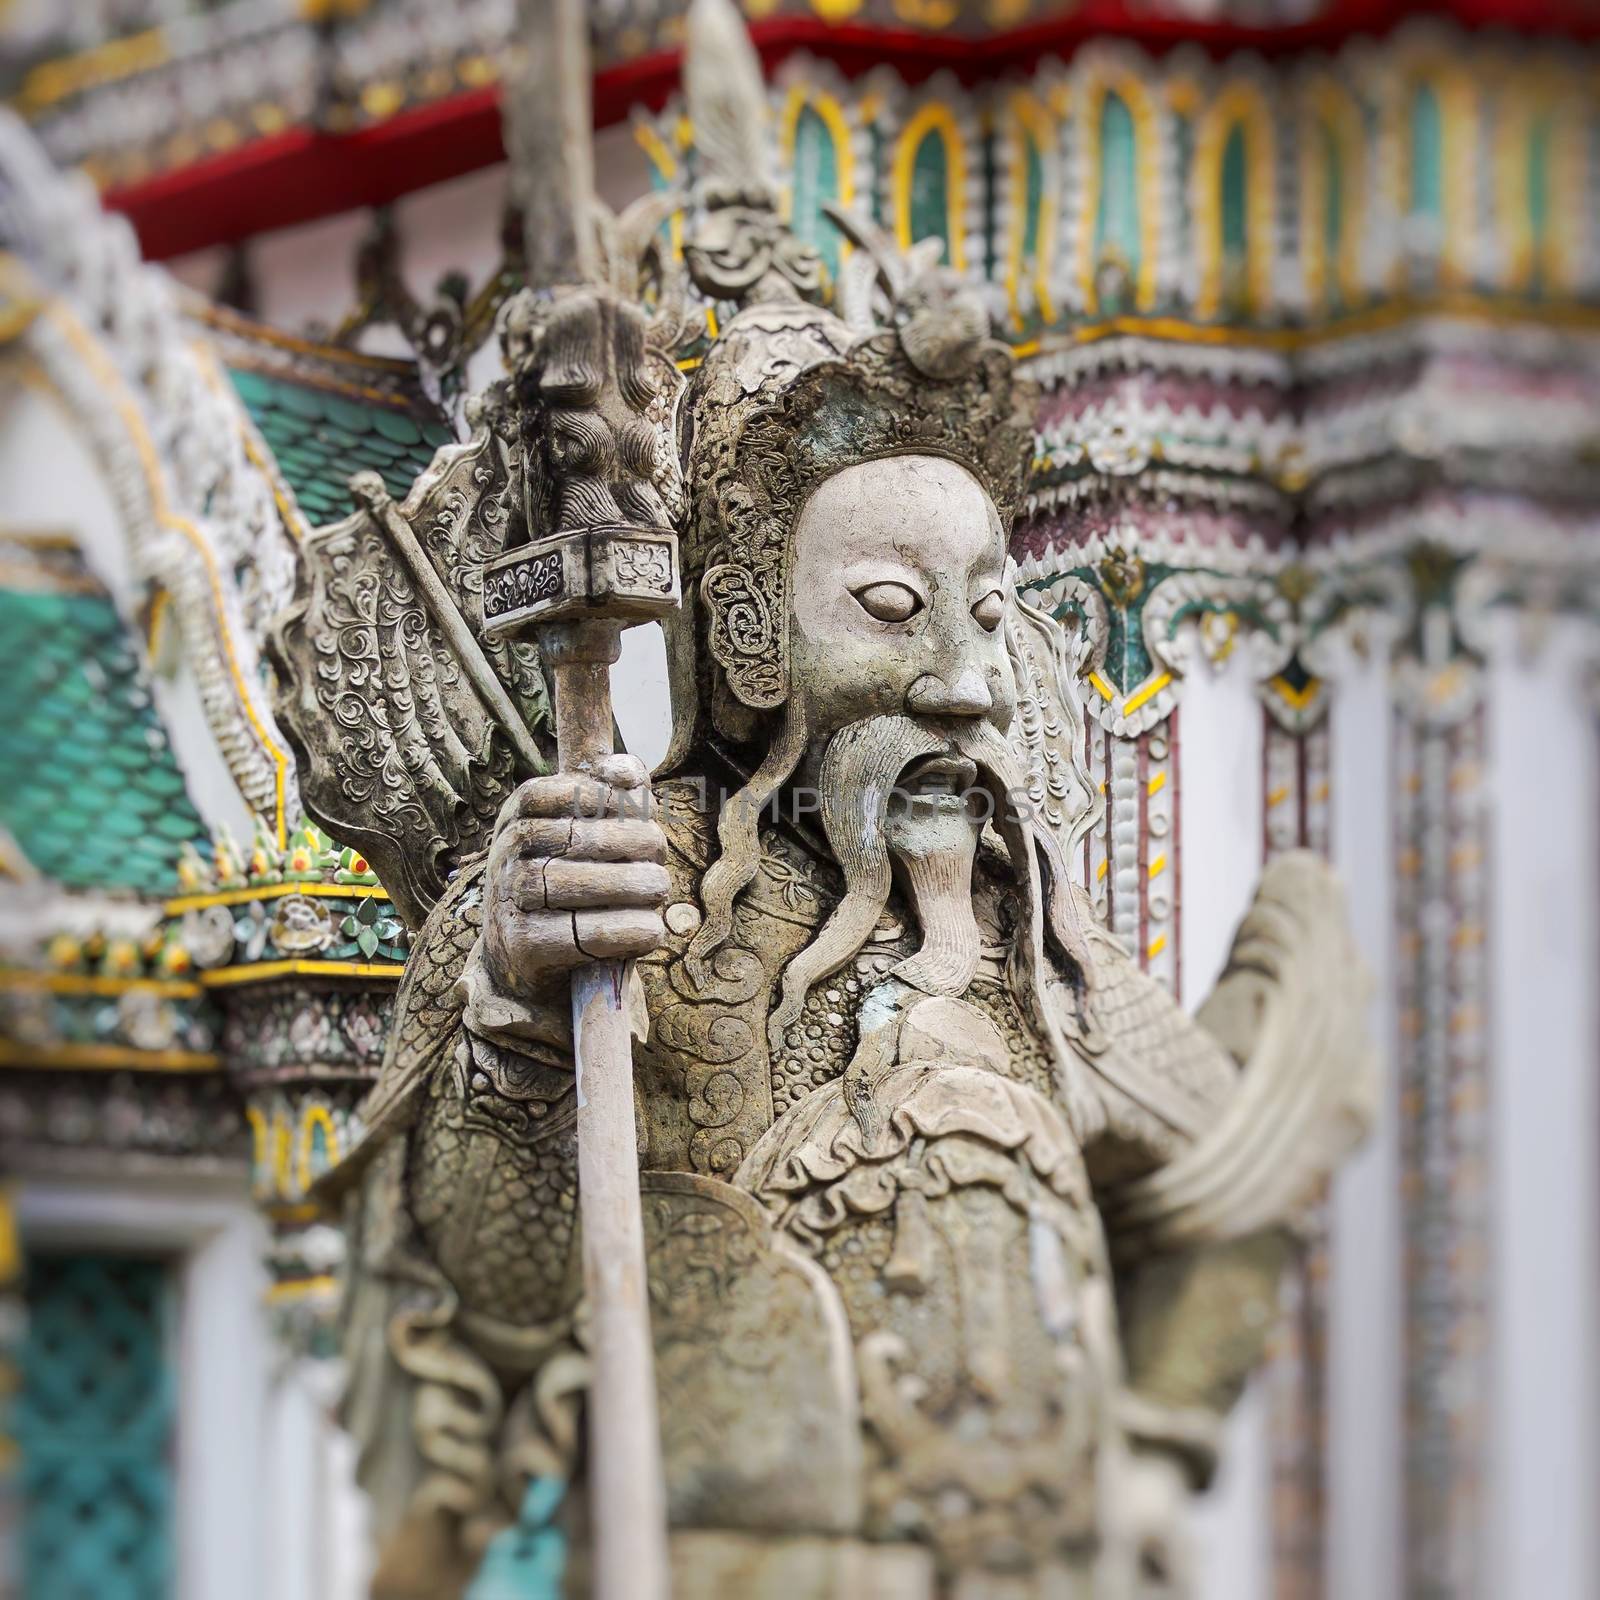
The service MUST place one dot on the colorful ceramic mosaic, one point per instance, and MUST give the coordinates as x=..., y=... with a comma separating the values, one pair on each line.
x=93, y=797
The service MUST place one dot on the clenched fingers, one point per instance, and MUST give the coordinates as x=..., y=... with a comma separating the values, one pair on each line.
x=557, y=884
x=618, y=935
x=622, y=789
x=581, y=839
x=546, y=941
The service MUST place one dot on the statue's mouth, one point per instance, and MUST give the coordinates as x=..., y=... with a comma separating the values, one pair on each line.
x=944, y=773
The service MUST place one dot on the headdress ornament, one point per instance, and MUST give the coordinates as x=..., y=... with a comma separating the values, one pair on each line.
x=758, y=448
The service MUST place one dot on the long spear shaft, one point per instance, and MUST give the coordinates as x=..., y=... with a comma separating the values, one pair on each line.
x=626, y=1492
x=549, y=137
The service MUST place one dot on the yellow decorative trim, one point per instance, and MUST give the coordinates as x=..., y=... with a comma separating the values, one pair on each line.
x=302, y=1288
x=17, y=316
x=104, y=1058
x=1277, y=797
x=155, y=628
x=660, y=156
x=1157, y=945
x=1109, y=79
x=1296, y=699
x=1158, y=866
x=1326, y=104
x=325, y=10
x=1104, y=689
x=258, y=1138
x=1239, y=104
x=336, y=355
x=282, y=1138
x=934, y=117
x=1104, y=867
x=1154, y=786
x=1031, y=124
x=1500, y=313
x=264, y=971
x=95, y=983
x=10, y=1243
x=1146, y=692
x=274, y=891
x=52, y=81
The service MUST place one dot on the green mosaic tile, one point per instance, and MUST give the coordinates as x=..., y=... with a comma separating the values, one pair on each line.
x=320, y=438
x=89, y=788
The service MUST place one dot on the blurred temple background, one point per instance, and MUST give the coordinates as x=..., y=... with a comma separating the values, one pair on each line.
x=1311, y=289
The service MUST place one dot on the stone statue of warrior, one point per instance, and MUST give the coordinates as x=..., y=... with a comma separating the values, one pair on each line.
x=962, y=1237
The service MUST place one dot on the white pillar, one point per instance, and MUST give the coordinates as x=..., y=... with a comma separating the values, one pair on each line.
x=1220, y=791
x=1544, y=952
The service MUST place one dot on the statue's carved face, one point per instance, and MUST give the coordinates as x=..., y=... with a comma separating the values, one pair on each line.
x=900, y=582
x=899, y=665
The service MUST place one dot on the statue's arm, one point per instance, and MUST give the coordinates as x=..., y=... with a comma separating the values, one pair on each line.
x=1219, y=1138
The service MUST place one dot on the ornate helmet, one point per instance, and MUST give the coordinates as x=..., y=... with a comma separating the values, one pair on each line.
x=786, y=398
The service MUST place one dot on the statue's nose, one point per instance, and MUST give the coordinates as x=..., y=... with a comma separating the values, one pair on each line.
x=966, y=695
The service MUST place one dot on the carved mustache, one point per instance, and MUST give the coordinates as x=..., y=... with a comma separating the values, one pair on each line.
x=862, y=771
x=857, y=775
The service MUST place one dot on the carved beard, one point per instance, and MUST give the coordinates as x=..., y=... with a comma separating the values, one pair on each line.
x=858, y=775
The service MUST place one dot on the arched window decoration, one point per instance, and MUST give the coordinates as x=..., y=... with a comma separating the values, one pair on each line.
x=1425, y=197
x=929, y=181
x=1332, y=146
x=319, y=1144
x=1118, y=246
x=1234, y=186
x=1119, y=231
x=1541, y=158
x=1236, y=295
x=1540, y=232
x=1434, y=134
x=1030, y=245
x=816, y=148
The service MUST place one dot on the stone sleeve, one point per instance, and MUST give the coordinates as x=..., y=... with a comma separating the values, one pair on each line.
x=1195, y=1325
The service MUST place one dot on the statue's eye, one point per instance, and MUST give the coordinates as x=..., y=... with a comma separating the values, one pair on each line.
x=989, y=610
x=889, y=602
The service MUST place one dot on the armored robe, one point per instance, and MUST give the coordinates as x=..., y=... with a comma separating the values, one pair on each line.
x=911, y=1361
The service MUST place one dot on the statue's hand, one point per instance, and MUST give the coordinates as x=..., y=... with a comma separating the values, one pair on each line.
x=576, y=873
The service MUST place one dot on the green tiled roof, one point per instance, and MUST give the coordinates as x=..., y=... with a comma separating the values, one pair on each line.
x=320, y=437
x=89, y=789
